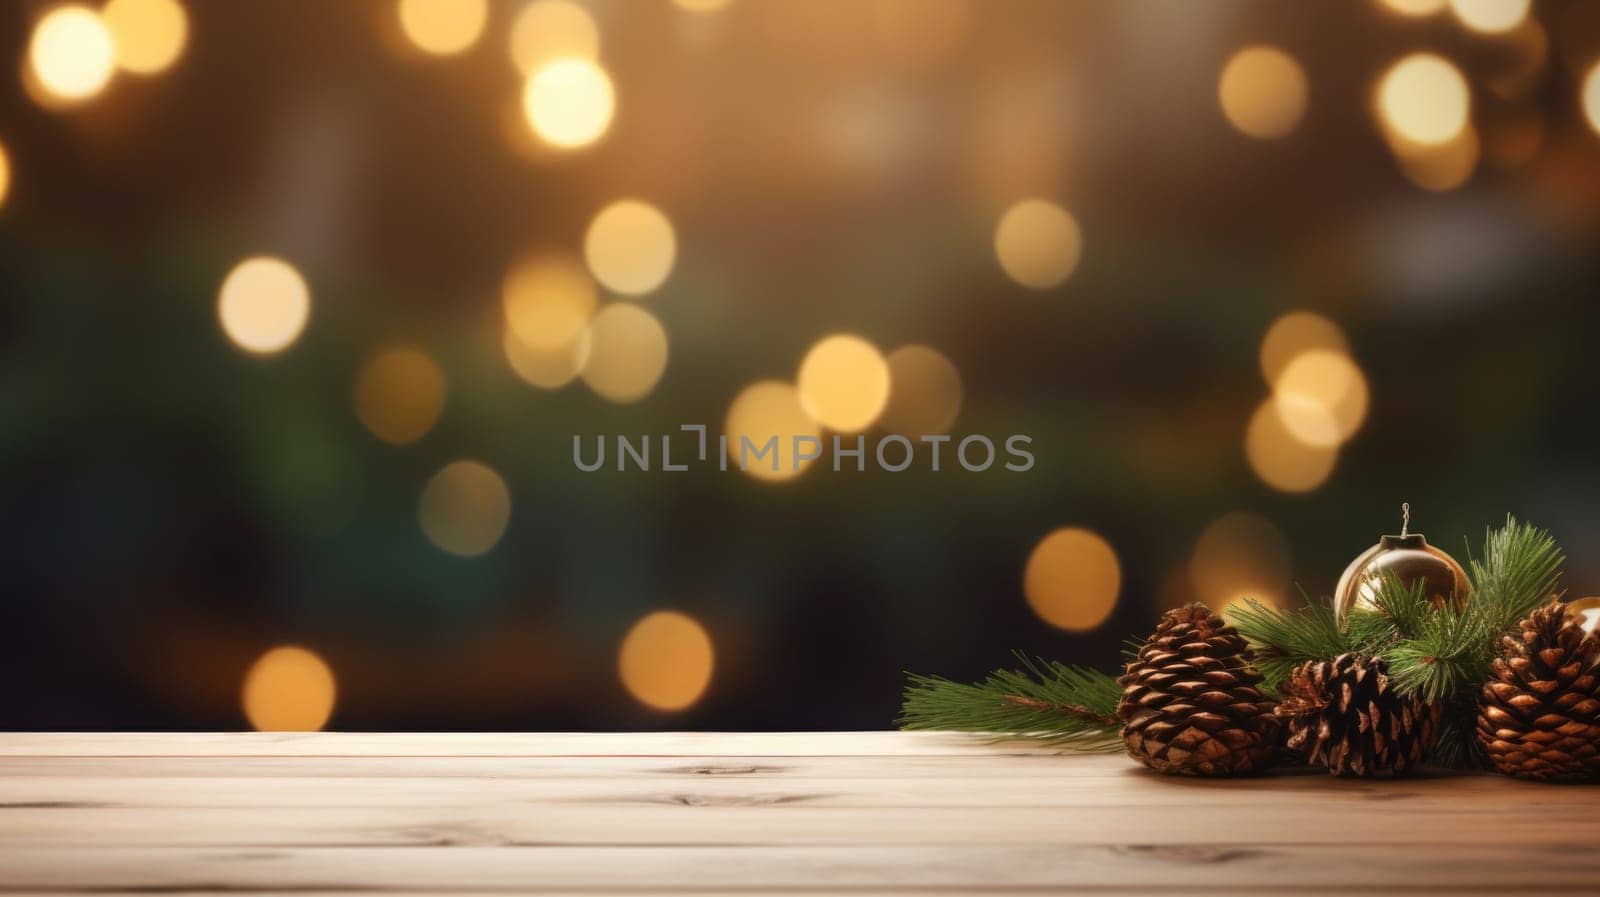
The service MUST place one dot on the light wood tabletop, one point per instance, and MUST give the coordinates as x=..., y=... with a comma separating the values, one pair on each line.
x=729, y=813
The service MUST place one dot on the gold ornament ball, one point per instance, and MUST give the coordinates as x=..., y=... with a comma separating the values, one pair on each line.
x=1409, y=557
x=1586, y=611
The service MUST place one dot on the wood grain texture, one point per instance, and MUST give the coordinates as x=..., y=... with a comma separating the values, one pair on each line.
x=864, y=813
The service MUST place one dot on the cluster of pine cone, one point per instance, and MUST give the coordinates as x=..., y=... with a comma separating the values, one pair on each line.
x=1192, y=705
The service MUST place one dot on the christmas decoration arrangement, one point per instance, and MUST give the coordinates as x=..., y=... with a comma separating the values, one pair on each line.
x=1414, y=661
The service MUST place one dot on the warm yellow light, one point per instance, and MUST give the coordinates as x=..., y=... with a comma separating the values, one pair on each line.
x=1281, y=460
x=1239, y=553
x=263, y=305
x=148, y=34
x=547, y=368
x=1415, y=8
x=548, y=301
x=569, y=102
x=924, y=393
x=546, y=30
x=1072, y=579
x=761, y=411
x=5, y=174
x=1491, y=16
x=1424, y=98
x=1441, y=166
x=1322, y=397
x=443, y=27
x=1295, y=333
x=701, y=5
x=71, y=53
x=630, y=247
x=1591, y=96
x=666, y=661
x=289, y=689
x=1038, y=243
x=399, y=393
x=465, y=508
x=627, y=353
x=1263, y=92
x=844, y=383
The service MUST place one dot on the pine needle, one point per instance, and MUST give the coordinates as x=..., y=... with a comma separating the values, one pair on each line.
x=1046, y=701
x=1283, y=639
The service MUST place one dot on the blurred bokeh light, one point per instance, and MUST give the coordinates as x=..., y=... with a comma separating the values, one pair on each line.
x=548, y=300
x=844, y=383
x=148, y=34
x=1424, y=99
x=443, y=27
x=465, y=508
x=627, y=353
x=924, y=392
x=289, y=689
x=666, y=661
x=547, y=30
x=399, y=394
x=1263, y=92
x=1072, y=579
x=1038, y=243
x=630, y=247
x=569, y=102
x=263, y=305
x=759, y=412
x=71, y=54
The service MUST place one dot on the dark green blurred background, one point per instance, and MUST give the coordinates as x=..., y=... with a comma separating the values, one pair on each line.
x=173, y=507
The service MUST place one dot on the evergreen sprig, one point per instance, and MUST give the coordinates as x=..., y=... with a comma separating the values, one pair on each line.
x=1044, y=700
x=1441, y=653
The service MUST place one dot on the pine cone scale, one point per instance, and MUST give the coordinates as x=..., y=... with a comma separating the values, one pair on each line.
x=1539, y=713
x=1343, y=714
x=1190, y=703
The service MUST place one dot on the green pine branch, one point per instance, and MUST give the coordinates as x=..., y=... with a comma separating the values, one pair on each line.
x=1283, y=639
x=1054, y=702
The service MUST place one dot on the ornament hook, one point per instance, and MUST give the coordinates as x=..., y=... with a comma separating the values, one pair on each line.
x=1405, y=518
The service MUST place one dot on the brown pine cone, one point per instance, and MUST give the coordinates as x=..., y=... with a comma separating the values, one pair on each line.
x=1190, y=704
x=1343, y=714
x=1539, y=714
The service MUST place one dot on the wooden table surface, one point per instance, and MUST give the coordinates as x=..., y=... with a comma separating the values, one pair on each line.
x=858, y=812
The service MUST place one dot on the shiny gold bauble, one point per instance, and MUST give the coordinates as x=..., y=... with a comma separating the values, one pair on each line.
x=1409, y=557
x=1586, y=611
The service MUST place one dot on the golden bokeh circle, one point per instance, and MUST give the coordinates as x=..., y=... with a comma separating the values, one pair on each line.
x=1415, y=8
x=547, y=30
x=1072, y=579
x=289, y=689
x=149, y=35
x=548, y=300
x=547, y=368
x=630, y=247
x=263, y=305
x=71, y=54
x=1424, y=99
x=5, y=174
x=1441, y=166
x=844, y=383
x=569, y=102
x=1239, y=554
x=1591, y=96
x=627, y=353
x=924, y=392
x=1281, y=460
x=1322, y=397
x=443, y=27
x=666, y=661
x=1491, y=16
x=1263, y=92
x=759, y=412
x=465, y=508
x=1293, y=334
x=1038, y=244
x=399, y=394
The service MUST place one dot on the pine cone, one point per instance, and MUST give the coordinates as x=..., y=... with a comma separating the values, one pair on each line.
x=1342, y=714
x=1190, y=704
x=1539, y=715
